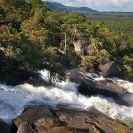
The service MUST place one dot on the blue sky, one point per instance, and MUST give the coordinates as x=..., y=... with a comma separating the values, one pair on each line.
x=100, y=5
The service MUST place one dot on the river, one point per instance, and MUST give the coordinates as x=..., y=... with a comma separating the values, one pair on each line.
x=14, y=99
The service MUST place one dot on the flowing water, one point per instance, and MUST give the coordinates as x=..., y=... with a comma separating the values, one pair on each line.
x=14, y=99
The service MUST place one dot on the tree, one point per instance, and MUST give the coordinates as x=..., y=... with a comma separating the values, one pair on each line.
x=29, y=56
x=94, y=58
x=34, y=28
x=36, y=3
x=15, y=12
x=50, y=59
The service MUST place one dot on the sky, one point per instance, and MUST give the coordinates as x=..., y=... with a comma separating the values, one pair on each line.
x=100, y=5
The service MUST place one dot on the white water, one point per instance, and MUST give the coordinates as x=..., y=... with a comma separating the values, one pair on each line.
x=14, y=99
x=123, y=83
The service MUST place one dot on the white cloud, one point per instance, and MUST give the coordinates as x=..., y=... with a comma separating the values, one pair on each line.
x=100, y=5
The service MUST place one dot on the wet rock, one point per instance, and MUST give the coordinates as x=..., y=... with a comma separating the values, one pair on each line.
x=88, y=87
x=4, y=127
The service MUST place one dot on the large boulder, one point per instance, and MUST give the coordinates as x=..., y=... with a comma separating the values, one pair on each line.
x=40, y=120
x=4, y=127
x=107, y=88
x=65, y=120
x=108, y=69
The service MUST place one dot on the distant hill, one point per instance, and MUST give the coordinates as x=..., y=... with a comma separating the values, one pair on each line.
x=60, y=7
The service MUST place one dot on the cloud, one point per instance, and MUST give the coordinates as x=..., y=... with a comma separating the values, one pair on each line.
x=100, y=5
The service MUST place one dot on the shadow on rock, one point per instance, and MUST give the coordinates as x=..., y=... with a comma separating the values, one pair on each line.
x=119, y=97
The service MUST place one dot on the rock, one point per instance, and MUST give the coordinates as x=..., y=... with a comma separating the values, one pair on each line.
x=2, y=59
x=62, y=129
x=108, y=69
x=91, y=121
x=36, y=81
x=89, y=87
x=36, y=119
x=41, y=120
x=4, y=127
x=30, y=78
x=32, y=113
x=110, y=86
x=79, y=45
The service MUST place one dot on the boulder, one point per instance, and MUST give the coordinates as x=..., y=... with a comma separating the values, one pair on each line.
x=31, y=114
x=36, y=119
x=108, y=69
x=40, y=120
x=4, y=127
x=65, y=120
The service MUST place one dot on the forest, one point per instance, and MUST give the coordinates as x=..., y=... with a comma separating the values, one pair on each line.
x=30, y=33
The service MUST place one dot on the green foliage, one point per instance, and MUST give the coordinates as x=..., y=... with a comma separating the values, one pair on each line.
x=50, y=60
x=94, y=58
x=29, y=31
x=114, y=33
x=36, y=3
x=9, y=36
x=15, y=12
x=29, y=56
x=73, y=58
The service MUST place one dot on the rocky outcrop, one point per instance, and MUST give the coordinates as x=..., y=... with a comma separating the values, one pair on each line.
x=91, y=121
x=42, y=120
x=108, y=69
x=4, y=127
x=36, y=119
x=107, y=88
x=80, y=46
x=75, y=75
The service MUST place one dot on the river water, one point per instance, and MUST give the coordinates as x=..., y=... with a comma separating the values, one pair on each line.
x=14, y=99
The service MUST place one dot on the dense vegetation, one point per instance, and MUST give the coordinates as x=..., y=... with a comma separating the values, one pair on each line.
x=30, y=33
x=121, y=25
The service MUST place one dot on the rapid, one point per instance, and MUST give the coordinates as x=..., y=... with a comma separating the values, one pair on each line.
x=13, y=99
